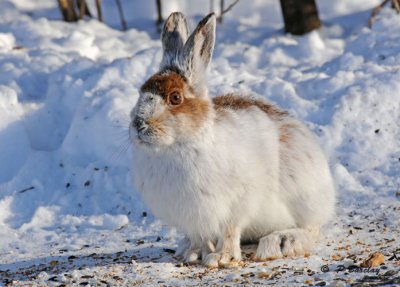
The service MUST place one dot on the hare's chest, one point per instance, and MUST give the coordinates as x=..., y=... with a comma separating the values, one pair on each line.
x=182, y=193
x=164, y=178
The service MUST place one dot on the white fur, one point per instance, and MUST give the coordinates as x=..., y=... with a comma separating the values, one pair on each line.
x=237, y=172
x=234, y=180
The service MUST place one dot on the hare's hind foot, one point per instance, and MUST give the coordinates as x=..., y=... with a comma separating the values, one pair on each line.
x=286, y=243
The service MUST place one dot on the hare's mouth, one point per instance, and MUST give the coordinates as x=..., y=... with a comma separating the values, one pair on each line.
x=144, y=143
x=146, y=137
x=151, y=136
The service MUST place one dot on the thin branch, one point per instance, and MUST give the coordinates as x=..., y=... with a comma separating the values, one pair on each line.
x=121, y=15
x=99, y=11
x=222, y=3
x=375, y=12
x=229, y=7
x=26, y=189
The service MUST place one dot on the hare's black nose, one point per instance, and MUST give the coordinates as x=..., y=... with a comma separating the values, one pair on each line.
x=140, y=124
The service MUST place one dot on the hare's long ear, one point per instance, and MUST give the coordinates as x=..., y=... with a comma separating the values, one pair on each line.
x=173, y=37
x=197, y=52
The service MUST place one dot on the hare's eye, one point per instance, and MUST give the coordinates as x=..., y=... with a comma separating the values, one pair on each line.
x=175, y=99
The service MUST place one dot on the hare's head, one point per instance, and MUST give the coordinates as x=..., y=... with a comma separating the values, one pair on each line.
x=173, y=103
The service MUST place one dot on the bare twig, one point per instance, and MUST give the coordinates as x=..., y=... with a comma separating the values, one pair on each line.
x=222, y=5
x=375, y=12
x=26, y=189
x=121, y=15
x=228, y=8
x=99, y=11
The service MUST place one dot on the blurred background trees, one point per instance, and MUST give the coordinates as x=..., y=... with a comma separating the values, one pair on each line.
x=300, y=16
x=73, y=11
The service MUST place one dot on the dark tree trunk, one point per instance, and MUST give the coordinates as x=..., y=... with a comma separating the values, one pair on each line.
x=83, y=9
x=72, y=10
x=300, y=16
x=68, y=10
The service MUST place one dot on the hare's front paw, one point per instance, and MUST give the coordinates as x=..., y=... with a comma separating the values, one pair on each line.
x=191, y=255
x=285, y=243
x=191, y=252
x=187, y=251
x=218, y=259
x=183, y=245
x=228, y=251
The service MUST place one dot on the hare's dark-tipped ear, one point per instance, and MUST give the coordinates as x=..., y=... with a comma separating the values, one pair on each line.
x=173, y=37
x=200, y=45
x=198, y=49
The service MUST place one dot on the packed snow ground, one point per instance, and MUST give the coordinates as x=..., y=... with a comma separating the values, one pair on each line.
x=68, y=211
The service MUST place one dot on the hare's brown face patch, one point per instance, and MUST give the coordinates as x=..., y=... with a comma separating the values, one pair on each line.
x=165, y=85
x=194, y=108
x=176, y=112
x=178, y=96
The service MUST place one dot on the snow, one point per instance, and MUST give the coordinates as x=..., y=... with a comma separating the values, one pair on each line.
x=68, y=211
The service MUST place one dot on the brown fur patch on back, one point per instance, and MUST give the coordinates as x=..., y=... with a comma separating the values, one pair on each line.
x=285, y=131
x=235, y=102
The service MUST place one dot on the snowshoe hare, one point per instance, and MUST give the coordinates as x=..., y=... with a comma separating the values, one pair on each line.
x=226, y=169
